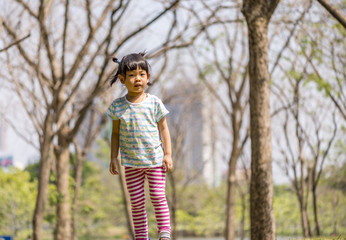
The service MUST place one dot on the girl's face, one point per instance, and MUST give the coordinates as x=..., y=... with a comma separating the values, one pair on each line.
x=135, y=81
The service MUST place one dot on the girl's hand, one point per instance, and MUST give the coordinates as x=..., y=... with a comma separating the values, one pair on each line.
x=113, y=166
x=167, y=163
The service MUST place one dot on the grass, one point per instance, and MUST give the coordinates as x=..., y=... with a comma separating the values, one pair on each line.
x=338, y=237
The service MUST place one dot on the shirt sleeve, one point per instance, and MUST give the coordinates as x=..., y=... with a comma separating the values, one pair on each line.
x=160, y=110
x=111, y=111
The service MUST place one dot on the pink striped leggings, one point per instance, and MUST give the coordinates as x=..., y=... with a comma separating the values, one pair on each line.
x=135, y=178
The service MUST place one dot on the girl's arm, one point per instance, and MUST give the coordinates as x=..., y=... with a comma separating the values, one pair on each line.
x=114, y=147
x=166, y=141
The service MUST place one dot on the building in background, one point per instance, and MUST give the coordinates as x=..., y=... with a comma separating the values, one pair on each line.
x=6, y=159
x=195, y=133
x=212, y=134
x=2, y=134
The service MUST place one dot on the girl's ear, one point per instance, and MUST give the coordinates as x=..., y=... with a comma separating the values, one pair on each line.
x=148, y=79
x=121, y=78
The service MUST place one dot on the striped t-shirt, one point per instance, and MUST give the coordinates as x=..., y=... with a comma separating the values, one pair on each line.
x=139, y=138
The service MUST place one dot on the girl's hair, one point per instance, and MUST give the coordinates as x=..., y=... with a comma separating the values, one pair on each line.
x=129, y=63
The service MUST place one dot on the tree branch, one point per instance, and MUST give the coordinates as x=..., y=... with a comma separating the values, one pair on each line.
x=86, y=45
x=140, y=29
x=334, y=12
x=15, y=43
x=66, y=21
x=44, y=35
x=291, y=34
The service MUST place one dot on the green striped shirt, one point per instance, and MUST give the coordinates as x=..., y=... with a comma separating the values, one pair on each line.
x=139, y=138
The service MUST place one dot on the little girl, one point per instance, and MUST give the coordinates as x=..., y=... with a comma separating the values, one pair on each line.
x=140, y=130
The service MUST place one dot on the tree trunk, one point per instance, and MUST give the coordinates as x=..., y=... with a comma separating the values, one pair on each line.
x=41, y=196
x=63, y=224
x=173, y=206
x=242, y=220
x=301, y=190
x=314, y=202
x=127, y=203
x=257, y=14
x=303, y=216
x=302, y=195
x=44, y=171
x=334, y=207
x=231, y=186
x=232, y=164
x=307, y=232
x=78, y=183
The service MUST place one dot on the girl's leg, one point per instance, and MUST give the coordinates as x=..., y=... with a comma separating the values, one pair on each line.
x=135, y=185
x=156, y=179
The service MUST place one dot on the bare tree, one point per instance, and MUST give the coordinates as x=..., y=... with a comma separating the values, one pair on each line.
x=302, y=167
x=243, y=186
x=230, y=67
x=298, y=162
x=304, y=172
x=44, y=129
x=257, y=15
x=226, y=70
x=319, y=155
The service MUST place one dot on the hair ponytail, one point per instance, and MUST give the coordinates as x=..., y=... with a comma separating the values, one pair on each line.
x=115, y=77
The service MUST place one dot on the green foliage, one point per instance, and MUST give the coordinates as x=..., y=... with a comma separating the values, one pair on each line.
x=17, y=199
x=334, y=177
x=331, y=205
x=334, y=237
x=100, y=203
x=332, y=200
x=100, y=208
x=295, y=74
x=33, y=170
x=286, y=210
x=332, y=210
x=322, y=85
x=201, y=210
